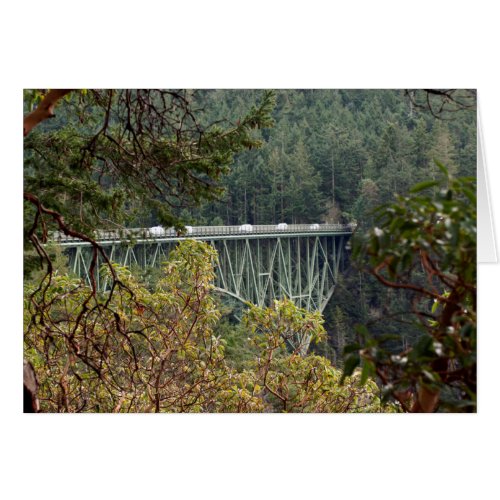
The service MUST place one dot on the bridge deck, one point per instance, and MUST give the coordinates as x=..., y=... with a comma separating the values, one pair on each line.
x=142, y=235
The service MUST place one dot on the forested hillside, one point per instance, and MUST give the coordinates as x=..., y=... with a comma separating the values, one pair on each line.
x=333, y=155
x=403, y=308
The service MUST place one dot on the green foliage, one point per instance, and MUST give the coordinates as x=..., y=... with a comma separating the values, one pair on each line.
x=145, y=351
x=425, y=244
x=111, y=158
x=136, y=350
x=324, y=146
x=284, y=323
x=295, y=382
x=239, y=349
x=140, y=158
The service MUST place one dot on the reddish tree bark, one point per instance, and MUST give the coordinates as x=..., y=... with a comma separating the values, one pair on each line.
x=44, y=110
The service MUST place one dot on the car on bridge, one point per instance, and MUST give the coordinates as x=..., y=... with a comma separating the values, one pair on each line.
x=314, y=226
x=246, y=228
x=157, y=231
x=282, y=226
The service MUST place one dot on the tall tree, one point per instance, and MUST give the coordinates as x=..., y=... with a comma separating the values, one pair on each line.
x=302, y=190
x=120, y=153
x=443, y=148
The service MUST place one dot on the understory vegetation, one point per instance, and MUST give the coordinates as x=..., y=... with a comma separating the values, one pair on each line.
x=160, y=350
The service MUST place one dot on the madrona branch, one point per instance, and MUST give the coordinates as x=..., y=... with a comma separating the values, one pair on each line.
x=44, y=110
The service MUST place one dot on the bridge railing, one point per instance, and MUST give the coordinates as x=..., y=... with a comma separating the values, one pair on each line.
x=201, y=231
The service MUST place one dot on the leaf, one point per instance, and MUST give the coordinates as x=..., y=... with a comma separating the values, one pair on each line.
x=435, y=305
x=471, y=195
x=441, y=167
x=423, y=185
x=352, y=347
x=351, y=363
x=368, y=371
x=423, y=347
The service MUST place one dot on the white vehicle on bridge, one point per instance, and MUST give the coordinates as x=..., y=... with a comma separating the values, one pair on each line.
x=282, y=226
x=304, y=268
x=314, y=226
x=157, y=231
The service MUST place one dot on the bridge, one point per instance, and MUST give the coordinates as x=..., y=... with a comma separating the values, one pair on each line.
x=257, y=264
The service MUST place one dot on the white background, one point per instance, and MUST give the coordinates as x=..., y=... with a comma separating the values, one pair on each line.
x=225, y=44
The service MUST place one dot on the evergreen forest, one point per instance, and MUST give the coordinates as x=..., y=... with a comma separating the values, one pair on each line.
x=399, y=332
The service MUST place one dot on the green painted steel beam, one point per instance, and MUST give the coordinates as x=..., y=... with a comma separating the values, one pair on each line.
x=256, y=268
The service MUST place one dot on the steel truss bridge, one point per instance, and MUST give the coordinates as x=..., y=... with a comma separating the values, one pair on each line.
x=257, y=264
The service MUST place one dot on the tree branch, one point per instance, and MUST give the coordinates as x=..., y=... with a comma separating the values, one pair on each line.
x=44, y=110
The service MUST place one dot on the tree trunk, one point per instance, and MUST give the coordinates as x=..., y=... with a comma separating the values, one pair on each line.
x=30, y=389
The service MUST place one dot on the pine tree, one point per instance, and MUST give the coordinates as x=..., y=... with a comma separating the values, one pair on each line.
x=303, y=199
x=443, y=149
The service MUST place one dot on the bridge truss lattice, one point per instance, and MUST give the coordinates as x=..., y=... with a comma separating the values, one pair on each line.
x=256, y=264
